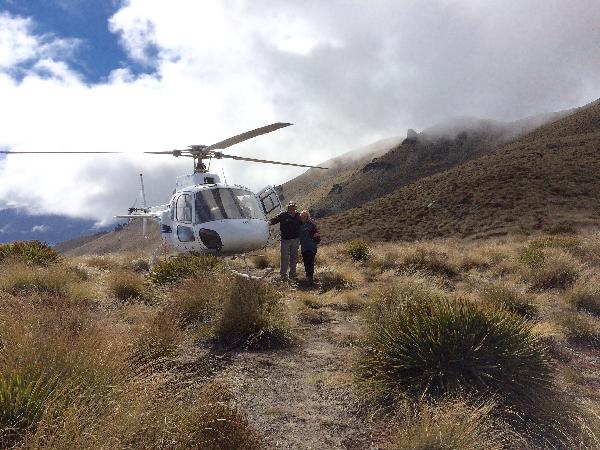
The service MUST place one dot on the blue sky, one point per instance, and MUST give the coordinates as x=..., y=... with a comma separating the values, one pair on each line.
x=153, y=75
x=99, y=51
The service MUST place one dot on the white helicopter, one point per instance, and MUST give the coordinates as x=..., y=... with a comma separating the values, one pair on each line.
x=205, y=216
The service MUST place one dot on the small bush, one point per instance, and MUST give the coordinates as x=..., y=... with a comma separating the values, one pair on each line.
x=260, y=261
x=451, y=425
x=348, y=301
x=173, y=269
x=510, y=299
x=580, y=329
x=31, y=252
x=159, y=342
x=564, y=242
x=252, y=316
x=555, y=270
x=315, y=316
x=434, y=347
x=330, y=278
x=139, y=265
x=585, y=296
x=127, y=286
x=358, y=250
x=559, y=229
x=197, y=300
x=428, y=261
x=102, y=263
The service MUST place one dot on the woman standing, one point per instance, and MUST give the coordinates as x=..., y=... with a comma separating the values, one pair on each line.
x=309, y=240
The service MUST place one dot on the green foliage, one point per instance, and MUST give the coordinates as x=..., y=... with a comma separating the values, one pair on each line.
x=432, y=347
x=252, y=316
x=510, y=299
x=532, y=256
x=173, y=269
x=564, y=242
x=30, y=252
x=22, y=404
x=358, y=250
x=559, y=229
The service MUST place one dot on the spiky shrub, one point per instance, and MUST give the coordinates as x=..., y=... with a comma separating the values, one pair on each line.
x=358, y=250
x=127, y=286
x=173, y=269
x=552, y=269
x=252, y=316
x=31, y=252
x=433, y=347
x=22, y=403
x=511, y=299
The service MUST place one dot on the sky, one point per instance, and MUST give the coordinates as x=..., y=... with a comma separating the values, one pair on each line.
x=151, y=75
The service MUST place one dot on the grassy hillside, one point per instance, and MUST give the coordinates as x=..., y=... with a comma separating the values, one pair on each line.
x=549, y=177
x=437, y=344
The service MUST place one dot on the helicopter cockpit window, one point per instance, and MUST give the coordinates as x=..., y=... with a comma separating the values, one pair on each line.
x=226, y=203
x=184, y=208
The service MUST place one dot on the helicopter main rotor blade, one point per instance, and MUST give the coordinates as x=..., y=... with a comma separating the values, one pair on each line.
x=247, y=135
x=10, y=152
x=219, y=155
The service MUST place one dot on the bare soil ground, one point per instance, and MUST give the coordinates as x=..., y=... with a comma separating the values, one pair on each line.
x=303, y=397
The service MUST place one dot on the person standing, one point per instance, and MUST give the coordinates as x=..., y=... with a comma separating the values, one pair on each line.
x=309, y=240
x=289, y=224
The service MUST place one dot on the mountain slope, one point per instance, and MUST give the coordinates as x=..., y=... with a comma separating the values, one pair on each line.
x=549, y=176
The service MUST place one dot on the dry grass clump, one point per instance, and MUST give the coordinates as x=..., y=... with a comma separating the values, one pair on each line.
x=314, y=316
x=585, y=296
x=252, y=316
x=332, y=278
x=452, y=425
x=22, y=279
x=198, y=300
x=128, y=286
x=549, y=268
x=139, y=265
x=580, y=329
x=506, y=296
x=428, y=261
x=419, y=345
x=170, y=270
x=103, y=262
x=348, y=301
x=159, y=341
x=30, y=252
x=260, y=261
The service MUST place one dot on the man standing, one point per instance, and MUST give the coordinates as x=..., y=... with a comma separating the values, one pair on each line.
x=289, y=224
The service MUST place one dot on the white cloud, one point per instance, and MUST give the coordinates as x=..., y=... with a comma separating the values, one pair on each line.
x=39, y=228
x=346, y=74
x=5, y=228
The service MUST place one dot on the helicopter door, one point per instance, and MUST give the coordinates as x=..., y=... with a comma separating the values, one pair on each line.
x=269, y=201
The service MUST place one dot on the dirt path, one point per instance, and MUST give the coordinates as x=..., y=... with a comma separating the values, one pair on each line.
x=303, y=398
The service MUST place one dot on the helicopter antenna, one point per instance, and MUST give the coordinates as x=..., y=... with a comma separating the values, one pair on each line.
x=144, y=205
x=224, y=177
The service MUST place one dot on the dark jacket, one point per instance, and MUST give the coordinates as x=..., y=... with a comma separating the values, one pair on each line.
x=289, y=226
x=307, y=236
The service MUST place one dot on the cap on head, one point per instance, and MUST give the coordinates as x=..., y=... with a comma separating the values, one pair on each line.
x=291, y=204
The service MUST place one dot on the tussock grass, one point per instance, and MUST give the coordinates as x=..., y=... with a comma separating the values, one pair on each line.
x=173, y=269
x=429, y=261
x=198, y=300
x=107, y=263
x=260, y=261
x=333, y=278
x=159, y=342
x=348, y=301
x=358, y=250
x=505, y=296
x=21, y=279
x=314, y=316
x=452, y=425
x=550, y=269
x=585, y=295
x=30, y=252
x=127, y=286
x=580, y=329
x=252, y=316
x=423, y=346
x=139, y=265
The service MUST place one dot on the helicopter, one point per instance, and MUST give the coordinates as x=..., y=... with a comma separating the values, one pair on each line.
x=205, y=216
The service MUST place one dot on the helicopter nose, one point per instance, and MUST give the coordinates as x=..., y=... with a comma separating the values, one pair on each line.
x=210, y=239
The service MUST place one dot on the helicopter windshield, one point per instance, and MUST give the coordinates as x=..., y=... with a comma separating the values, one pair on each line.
x=226, y=203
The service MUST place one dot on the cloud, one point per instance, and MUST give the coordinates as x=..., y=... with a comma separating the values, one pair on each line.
x=344, y=73
x=39, y=228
